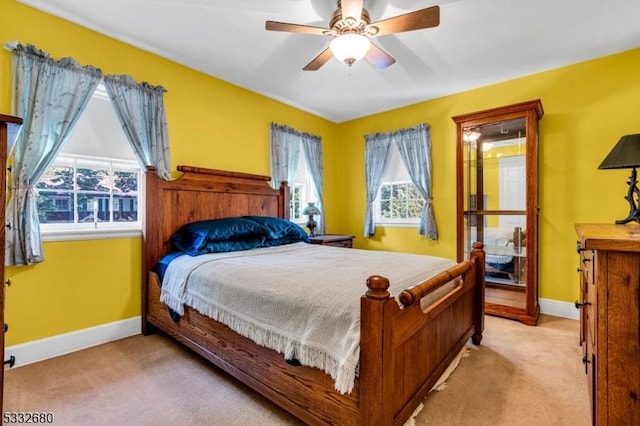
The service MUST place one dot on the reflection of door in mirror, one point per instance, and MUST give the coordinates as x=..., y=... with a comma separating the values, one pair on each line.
x=498, y=203
x=512, y=189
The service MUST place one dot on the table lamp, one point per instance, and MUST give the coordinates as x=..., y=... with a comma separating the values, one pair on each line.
x=311, y=210
x=626, y=155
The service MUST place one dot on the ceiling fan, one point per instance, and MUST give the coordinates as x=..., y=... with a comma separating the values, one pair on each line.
x=351, y=28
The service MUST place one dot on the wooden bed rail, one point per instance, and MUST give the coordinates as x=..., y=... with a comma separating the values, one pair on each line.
x=413, y=294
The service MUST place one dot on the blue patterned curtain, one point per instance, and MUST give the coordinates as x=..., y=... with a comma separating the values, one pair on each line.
x=285, y=148
x=376, y=160
x=50, y=96
x=140, y=110
x=312, y=149
x=415, y=150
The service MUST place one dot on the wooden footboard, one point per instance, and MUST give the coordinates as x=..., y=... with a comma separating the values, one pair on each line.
x=404, y=349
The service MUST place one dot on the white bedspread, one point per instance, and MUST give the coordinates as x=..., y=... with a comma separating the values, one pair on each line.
x=302, y=300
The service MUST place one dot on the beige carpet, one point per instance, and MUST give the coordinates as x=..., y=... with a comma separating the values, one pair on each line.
x=520, y=375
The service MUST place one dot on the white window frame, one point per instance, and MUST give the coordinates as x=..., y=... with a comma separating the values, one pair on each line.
x=96, y=229
x=400, y=222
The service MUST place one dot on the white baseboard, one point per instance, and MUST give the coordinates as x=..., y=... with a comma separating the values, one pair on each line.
x=39, y=350
x=559, y=309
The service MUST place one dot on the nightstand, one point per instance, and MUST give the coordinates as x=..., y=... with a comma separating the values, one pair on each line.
x=333, y=240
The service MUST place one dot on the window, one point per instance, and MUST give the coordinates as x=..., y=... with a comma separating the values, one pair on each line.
x=301, y=192
x=398, y=201
x=87, y=190
x=95, y=184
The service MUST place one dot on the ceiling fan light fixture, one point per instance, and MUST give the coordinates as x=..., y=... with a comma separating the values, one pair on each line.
x=350, y=48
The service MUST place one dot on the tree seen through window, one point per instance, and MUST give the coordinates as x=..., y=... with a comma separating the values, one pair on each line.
x=400, y=201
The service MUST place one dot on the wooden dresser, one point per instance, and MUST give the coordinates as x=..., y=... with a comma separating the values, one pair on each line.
x=333, y=240
x=610, y=320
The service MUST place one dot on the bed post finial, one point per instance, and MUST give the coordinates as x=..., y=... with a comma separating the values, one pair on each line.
x=378, y=287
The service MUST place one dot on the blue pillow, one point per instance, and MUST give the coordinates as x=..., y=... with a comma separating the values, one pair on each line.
x=280, y=228
x=193, y=237
x=233, y=245
x=281, y=241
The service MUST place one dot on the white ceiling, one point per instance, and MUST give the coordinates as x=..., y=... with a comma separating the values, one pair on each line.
x=478, y=42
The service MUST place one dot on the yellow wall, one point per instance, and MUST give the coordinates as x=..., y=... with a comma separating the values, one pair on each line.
x=588, y=106
x=211, y=124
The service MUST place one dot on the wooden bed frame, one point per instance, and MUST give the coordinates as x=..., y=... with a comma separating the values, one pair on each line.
x=403, y=349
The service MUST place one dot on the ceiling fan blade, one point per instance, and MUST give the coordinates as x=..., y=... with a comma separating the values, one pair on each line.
x=295, y=28
x=319, y=60
x=379, y=58
x=420, y=19
x=352, y=9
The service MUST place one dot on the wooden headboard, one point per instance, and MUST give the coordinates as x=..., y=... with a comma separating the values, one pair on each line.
x=203, y=194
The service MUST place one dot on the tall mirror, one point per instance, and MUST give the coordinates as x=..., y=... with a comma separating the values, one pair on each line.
x=497, y=203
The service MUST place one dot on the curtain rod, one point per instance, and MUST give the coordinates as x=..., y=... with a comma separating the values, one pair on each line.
x=11, y=45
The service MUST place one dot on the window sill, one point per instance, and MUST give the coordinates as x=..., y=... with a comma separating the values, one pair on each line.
x=397, y=225
x=89, y=234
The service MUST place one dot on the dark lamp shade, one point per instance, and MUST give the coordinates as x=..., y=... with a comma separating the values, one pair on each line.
x=625, y=155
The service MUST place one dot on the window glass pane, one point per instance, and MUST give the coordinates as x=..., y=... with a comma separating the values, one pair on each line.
x=57, y=177
x=296, y=202
x=397, y=191
x=92, y=207
x=385, y=209
x=125, y=182
x=125, y=208
x=55, y=207
x=400, y=209
x=385, y=192
x=93, y=179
